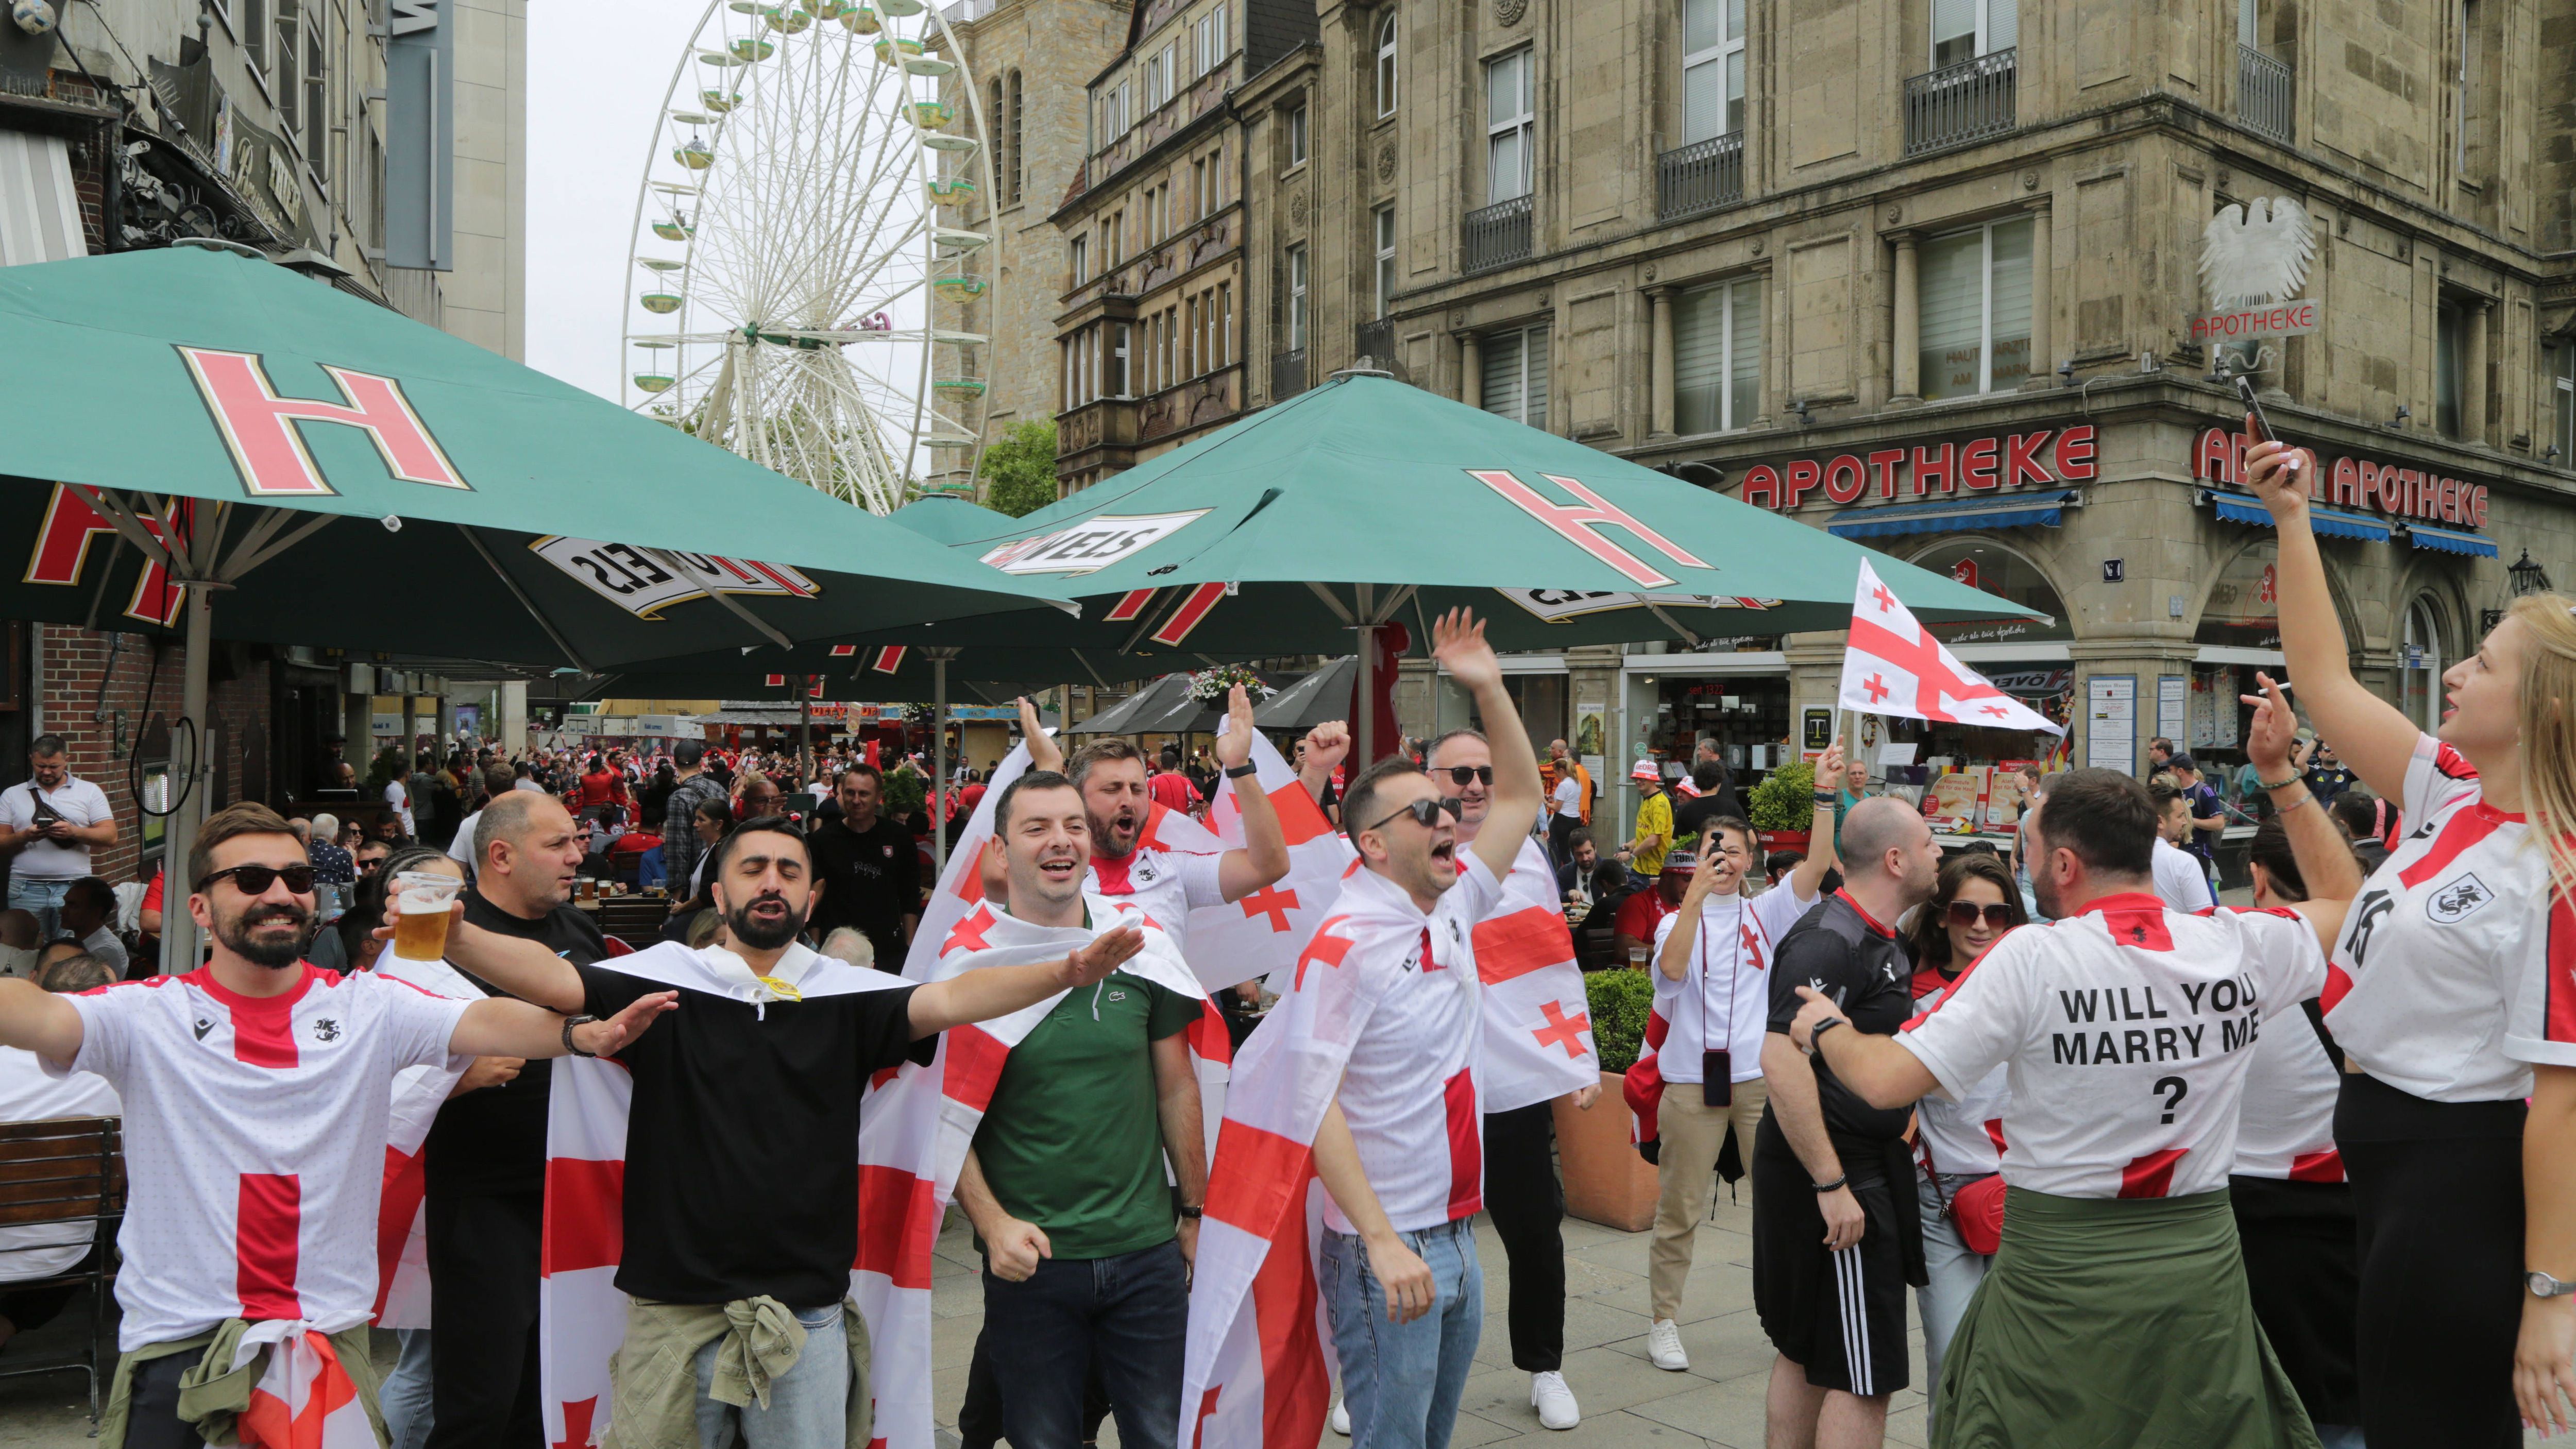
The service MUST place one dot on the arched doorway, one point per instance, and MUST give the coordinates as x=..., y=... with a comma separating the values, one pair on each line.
x=2421, y=658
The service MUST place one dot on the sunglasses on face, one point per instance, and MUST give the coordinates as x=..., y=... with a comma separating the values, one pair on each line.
x=1459, y=775
x=254, y=880
x=1963, y=914
x=1426, y=813
x=367, y=866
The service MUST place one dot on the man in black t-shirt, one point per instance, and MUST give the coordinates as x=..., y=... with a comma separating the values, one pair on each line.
x=1835, y=1234
x=741, y=1185
x=869, y=873
x=486, y=1153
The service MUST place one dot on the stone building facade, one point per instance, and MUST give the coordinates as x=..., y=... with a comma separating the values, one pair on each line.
x=1921, y=272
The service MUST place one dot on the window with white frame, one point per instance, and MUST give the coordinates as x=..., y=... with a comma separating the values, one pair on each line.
x=1510, y=127
x=1207, y=43
x=1384, y=226
x=1224, y=324
x=1515, y=364
x=1296, y=129
x=2450, y=346
x=1386, y=65
x=2420, y=664
x=1965, y=29
x=2562, y=396
x=1717, y=356
x=1974, y=310
x=1118, y=337
x=1158, y=80
x=1078, y=252
x=257, y=17
x=1199, y=204
x=1712, y=69
x=1297, y=298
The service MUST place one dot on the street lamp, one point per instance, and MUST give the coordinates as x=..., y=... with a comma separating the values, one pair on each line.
x=2528, y=579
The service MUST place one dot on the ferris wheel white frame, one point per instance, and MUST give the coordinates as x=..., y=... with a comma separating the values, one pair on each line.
x=889, y=455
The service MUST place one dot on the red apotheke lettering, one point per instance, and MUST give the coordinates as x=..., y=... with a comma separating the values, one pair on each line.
x=1979, y=465
x=2355, y=482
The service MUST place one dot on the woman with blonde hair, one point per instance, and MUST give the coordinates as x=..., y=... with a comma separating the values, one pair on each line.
x=2452, y=995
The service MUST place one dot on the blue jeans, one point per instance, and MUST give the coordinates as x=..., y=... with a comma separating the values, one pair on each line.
x=1402, y=1381
x=44, y=898
x=1952, y=1272
x=809, y=1405
x=405, y=1396
x=1128, y=1315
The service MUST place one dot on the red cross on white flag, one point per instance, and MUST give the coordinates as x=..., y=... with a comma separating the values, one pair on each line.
x=1894, y=666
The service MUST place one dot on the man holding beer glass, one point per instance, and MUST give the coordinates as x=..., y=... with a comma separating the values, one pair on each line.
x=257, y=1091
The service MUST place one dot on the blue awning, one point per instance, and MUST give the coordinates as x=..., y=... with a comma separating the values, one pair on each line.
x=2444, y=540
x=2331, y=522
x=2042, y=510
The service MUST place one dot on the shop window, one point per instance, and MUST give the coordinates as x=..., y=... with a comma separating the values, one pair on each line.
x=1717, y=356
x=2450, y=344
x=1984, y=564
x=2420, y=664
x=2243, y=610
x=1510, y=124
x=1516, y=374
x=1975, y=310
x=2562, y=403
x=1965, y=29
x=1712, y=69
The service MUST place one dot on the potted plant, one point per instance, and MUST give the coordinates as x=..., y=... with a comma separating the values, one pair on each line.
x=1783, y=806
x=1606, y=1182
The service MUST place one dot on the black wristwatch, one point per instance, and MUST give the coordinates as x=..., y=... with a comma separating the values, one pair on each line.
x=1193, y=1214
x=1237, y=772
x=1815, y=1038
x=569, y=1045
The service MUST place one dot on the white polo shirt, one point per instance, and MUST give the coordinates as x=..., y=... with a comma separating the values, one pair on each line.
x=77, y=801
x=1724, y=1001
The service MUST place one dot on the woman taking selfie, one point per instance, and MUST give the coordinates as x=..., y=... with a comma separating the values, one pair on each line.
x=2446, y=998
x=1957, y=1144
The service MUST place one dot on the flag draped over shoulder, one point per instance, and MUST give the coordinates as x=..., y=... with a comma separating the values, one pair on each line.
x=1537, y=1018
x=1893, y=665
x=402, y=1243
x=1253, y=937
x=582, y=1315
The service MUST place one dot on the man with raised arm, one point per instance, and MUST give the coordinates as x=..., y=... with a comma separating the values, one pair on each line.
x=256, y=1092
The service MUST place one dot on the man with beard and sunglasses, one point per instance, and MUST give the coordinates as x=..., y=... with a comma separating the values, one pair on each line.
x=740, y=1197
x=257, y=1091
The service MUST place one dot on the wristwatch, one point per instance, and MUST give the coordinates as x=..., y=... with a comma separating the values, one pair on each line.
x=2544, y=1286
x=1193, y=1214
x=1826, y=1025
x=569, y=1044
x=1237, y=772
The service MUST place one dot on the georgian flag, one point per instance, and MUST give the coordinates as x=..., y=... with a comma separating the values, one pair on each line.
x=402, y=1243
x=582, y=1315
x=304, y=1398
x=1537, y=1017
x=1263, y=932
x=1893, y=665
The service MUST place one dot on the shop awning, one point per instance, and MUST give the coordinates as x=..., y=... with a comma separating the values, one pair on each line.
x=2044, y=510
x=2332, y=522
x=2445, y=540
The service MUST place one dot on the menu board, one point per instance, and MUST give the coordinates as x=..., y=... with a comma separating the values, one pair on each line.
x=2111, y=722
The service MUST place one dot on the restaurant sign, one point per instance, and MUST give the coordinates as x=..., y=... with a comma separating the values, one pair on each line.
x=2046, y=457
x=2352, y=481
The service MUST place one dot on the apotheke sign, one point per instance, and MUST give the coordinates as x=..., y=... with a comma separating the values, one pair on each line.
x=2352, y=481
x=1995, y=462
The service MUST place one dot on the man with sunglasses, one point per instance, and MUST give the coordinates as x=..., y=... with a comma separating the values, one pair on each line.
x=257, y=1091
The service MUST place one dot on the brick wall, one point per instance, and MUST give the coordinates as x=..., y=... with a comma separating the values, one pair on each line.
x=103, y=728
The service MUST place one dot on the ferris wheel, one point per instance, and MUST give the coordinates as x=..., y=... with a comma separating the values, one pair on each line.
x=802, y=280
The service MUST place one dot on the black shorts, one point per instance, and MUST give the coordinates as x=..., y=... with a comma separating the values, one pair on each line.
x=1838, y=1315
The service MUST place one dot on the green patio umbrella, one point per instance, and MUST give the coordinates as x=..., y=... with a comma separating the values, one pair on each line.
x=1367, y=501
x=193, y=421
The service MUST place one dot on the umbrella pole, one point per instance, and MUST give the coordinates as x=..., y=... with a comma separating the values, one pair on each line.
x=1368, y=697
x=939, y=763
x=178, y=927
x=805, y=734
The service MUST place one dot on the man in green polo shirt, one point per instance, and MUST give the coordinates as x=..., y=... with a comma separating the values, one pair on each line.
x=1086, y=1241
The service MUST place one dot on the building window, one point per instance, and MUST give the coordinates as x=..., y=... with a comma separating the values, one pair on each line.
x=1079, y=251
x=1199, y=206
x=1510, y=124
x=1016, y=172
x=1223, y=326
x=1516, y=374
x=255, y=23
x=1712, y=69
x=1717, y=356
x=1118, y=360
x=1207, y=43
x=2562, y=394
x=2450, y=346
x=1296, y=137
x=1297, y=298
x=1975, y=310
x=2419, y=665
x=1965, y=29
x=1385, y=228
x=1386, y=66
x=2465, y=98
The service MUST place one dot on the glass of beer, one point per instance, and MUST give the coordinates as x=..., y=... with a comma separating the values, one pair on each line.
x=423, y=897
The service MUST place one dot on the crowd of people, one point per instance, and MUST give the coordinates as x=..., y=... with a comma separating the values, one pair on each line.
x=2158, y=1171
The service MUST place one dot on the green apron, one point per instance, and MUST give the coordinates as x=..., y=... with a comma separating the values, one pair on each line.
x=2116, y=1324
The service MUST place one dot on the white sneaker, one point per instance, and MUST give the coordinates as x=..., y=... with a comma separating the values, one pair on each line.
x=1664, y=1346
x=1341, y=1417
x=1554, y=1401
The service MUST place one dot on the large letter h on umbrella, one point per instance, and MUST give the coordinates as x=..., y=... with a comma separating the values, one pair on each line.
x=1580, y=523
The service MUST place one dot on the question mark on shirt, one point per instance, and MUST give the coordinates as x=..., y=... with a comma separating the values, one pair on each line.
x=2180, y=1087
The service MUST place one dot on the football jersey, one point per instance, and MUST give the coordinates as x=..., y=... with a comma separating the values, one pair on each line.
x=1723, y=1002
x=1169, y=884
x=1965, y=1136
x=1409, y=1091
x=2285, y=1123
x=2127, y=1030
x=255, y=1132
x=2452, y=972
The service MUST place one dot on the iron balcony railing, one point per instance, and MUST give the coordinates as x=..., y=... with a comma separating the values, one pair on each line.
x=1287, y=374
x=1495, y=236
x=2263, y=93
x=1702, y=176
x=1374, y=339
x=1960, y=103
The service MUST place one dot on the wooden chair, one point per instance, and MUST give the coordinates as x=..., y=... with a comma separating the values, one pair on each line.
x=634, y=919
x=65, y=1175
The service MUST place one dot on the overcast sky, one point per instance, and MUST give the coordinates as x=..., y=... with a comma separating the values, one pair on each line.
x=595, y=88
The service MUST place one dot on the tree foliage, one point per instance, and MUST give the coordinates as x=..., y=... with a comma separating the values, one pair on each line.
x=1019, y=469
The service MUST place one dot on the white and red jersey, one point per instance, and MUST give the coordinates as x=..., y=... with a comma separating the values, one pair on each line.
x=1169, y=884
x=255, y=1134
x=1409, y=1091
x=1724, y=1003
x=1965, y=1136
x=2127, y=1030
x=2285, y=1124
x=2457, y=966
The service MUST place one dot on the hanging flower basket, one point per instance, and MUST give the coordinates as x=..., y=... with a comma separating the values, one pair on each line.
x=1212, y=685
